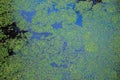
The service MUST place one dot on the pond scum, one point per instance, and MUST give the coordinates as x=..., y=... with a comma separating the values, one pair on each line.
x=59, y=40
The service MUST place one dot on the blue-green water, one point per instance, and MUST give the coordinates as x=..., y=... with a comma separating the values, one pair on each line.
x=66, y=41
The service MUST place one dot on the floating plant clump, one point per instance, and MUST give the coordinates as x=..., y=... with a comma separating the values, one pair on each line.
x=94, y=2
x=59, y=40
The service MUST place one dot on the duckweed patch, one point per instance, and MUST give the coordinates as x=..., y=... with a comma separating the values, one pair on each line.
x=59, y=40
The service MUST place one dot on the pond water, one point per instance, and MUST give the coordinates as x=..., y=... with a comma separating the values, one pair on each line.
x=66, y=40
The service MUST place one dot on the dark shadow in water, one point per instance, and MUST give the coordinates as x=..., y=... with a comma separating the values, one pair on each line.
x=93, y=1
x=96, y=1
x=11, y=31
x=11, y=52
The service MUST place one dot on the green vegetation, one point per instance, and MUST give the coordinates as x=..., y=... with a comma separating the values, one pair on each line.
x=71, y=52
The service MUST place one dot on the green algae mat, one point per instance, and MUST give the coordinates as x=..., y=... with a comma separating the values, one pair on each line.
x=59, y=40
